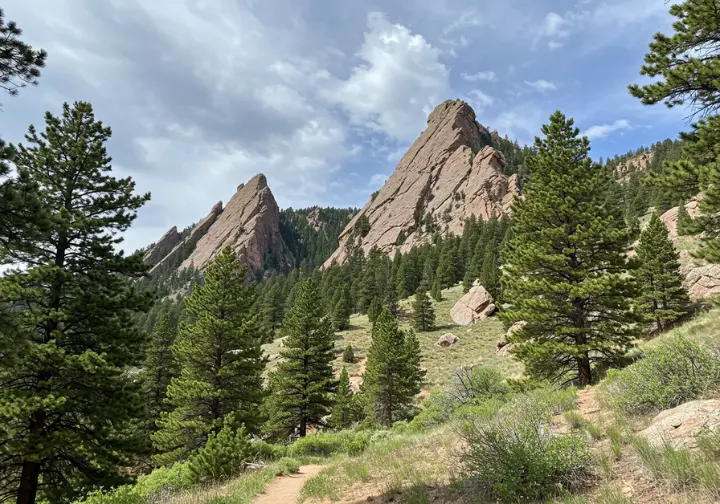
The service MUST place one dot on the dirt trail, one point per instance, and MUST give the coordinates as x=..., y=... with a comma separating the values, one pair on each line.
x=588, y=405
x=356, y=381
x=286, y=489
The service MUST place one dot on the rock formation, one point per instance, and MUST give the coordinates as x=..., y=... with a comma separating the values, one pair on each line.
x=680, y=427
x=703, y=281
x=447, y=340
x=475, y=306
x=249, y=224
x=450, y=173
x=623, y=170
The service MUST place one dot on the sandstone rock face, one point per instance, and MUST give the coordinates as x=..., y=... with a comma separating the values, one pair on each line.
x=680, y=427
x=703, y=281
x=249, y=224
x=164, y=245
x=623, y=170
x=447, y=340
x=671, y=216
x=449, y=174
x=475, y=306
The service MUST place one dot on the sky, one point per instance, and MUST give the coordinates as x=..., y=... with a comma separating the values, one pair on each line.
x=325, y=96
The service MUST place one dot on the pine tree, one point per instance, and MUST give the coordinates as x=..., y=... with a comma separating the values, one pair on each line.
x=344, y=413
x=423, y=312
x=159, y=367
x=341, y=311
x=374, y=309
x=436, y=292
x=68, y=409
x=301, y=390
x=663, y=299
x=686, y=63
x=474, y=270
x=273, y=305
x=685, y=224
x=565, y=269
x=392, y=376
x=490, y=275
x=391, y=301
x=447, y=272
x=220, y=360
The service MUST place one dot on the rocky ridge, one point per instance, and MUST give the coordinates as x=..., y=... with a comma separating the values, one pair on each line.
x=450, y=173
x=249, y=224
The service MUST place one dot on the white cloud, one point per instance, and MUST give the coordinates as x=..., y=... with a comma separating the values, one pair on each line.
x=400, y=79
x=488, y=75
x=603, y=130
x=468, y=19
x=541, y=85
x=478, y=99
x=556, y=28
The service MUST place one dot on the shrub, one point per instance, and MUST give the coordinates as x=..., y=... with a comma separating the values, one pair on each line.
x=160, y=481
x=575, y=419
x=325, y=444
x=267, y=452
x=674, y=372
x=222, y=456
x=436, y=409
x=348, y=354
x=515, y=457
x=287, y=465
x=479, y=382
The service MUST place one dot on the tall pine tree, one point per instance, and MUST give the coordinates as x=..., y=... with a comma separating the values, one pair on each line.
x=220, y=359
x=565, y=268
x=393, y=376
x=301, y=390
x=423, y=312
x=341, y=311
x=663, y=299
x=67, y=406
x=344, y=412
x=159, y=368
x=687, y=63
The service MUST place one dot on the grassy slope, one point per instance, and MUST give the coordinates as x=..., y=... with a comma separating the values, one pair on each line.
x=477, y=342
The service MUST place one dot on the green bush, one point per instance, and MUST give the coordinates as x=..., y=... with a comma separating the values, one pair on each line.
x=160, y=481
x=123, y=495
x=326, y=444
x=515, y=457
x=222, y=456
x=267, y=452
x=435, y=410
x=479, y=383
x=287, y=465
x=348, y=354
x=674, y=372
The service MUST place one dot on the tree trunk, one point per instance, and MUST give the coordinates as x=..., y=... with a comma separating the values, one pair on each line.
x=584, y=372
x=303, y=427
x=28, y=483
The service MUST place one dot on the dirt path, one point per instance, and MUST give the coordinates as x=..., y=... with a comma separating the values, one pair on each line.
x=286, y=489
x=588, y=405
x=356, y=381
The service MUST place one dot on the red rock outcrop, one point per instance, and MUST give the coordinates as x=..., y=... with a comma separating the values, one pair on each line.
x=249, y=224
x=450, y=173
x=164, y=245
x=475, y=306
x=670, y=217
x=623, y=170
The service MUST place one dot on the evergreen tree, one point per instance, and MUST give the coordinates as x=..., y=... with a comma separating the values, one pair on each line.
x=220, y=359
x=447, y=272
x=423, y=312
x=68, y=409
x=663, y=299
x=392, y=376
x=436, y=292
x=344, y=413
x=159, y=367
x=474, y=270
x=374, y=309
x=391, y=301
x=686, y=63
x=273, y=305
x=565, y=268
x=685, y=224
x=301, y=390
x=349, y=354
x=490, y=275
x=341, y=311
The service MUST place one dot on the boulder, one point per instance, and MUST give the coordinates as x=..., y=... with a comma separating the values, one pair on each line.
x=475, y=306
x=447, y=340
x=680, y=427
x=450, y=173
x=703, y=281
x=515, y=328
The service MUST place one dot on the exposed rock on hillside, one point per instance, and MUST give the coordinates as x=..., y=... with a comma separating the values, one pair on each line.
x=249, y=224
x=450, y=173
x=447, y=340
x=163, y=246
x=623, y=170
x=703, y=281
x=475, y=306
x=680, y=427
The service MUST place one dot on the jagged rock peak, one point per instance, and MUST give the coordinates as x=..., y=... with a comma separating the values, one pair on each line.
x=449, y=173
x=249, y=224
x=164, y=245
